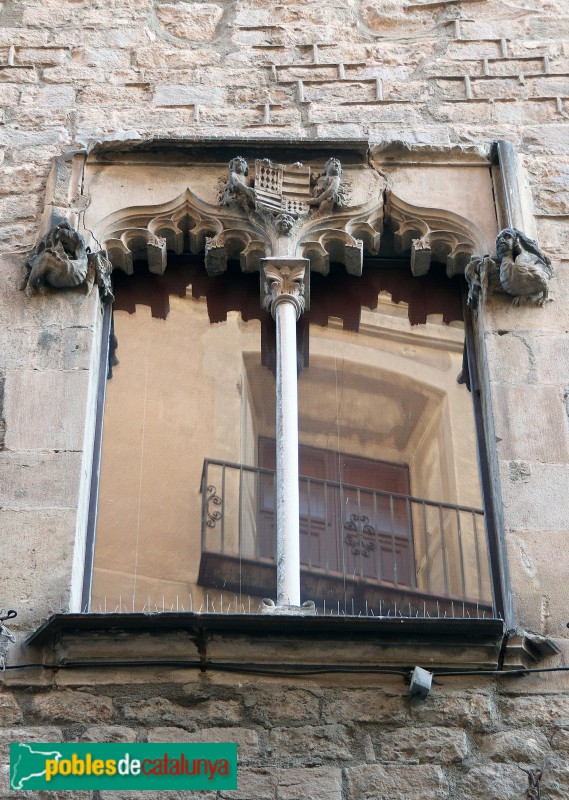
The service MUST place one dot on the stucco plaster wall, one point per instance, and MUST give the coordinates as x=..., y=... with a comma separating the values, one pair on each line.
x=448, y=77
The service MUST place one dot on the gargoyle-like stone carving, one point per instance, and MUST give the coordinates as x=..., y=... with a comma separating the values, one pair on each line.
x=519, y=269
x=61, y=261
x=433, y=234
x=285, y=279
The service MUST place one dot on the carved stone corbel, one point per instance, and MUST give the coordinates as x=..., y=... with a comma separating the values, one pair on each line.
x=519, y=269
x=285, y=279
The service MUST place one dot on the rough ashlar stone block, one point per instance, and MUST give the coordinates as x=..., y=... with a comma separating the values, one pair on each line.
x=492, y=782
x=536, y=502
x=362, y=705
x=539, y=574
x=45, y=410
x=474, y=711
x=409, y=782
x=26, y=734
x=66, y=706
x=160, y=711
x=181, y=95
x=427, y=745
x=312, y=744
x=257, y=783
x=530, y=422
x=560, y=741
x=319, y=783
x=525, y=746
x=536, y=711
x=10, y=713
x=292, y=706
x=196, y=22
x=247, y=740
x=109, y=733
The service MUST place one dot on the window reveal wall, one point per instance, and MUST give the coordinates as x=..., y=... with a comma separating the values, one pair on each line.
x=192, y=386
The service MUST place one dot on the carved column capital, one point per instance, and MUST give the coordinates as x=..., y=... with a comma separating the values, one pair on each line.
x=285, y=280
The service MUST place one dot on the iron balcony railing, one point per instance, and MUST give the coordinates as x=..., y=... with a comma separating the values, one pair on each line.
x=363, y=551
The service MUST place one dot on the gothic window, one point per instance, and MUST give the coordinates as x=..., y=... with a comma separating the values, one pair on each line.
x=390, y=502
x=364, y=441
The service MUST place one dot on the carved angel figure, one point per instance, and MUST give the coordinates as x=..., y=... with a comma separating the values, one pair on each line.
x=327, y=190
x=59, y=261
x=524, y=270
x=237, y=187
x=520, y=269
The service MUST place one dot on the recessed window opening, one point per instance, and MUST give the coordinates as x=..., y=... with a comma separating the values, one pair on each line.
x=390, y=503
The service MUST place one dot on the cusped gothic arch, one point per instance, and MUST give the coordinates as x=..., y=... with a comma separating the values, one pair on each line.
x=433, y=234
x=342, y=235
x=185, y=223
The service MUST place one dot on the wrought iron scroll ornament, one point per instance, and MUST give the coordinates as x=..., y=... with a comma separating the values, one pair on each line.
x=361, y=536
x=520, y=269
x=213, y=507
x=61, y=261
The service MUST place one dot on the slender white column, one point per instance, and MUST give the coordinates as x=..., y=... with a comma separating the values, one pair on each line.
x=285, y=290
x=288, y=531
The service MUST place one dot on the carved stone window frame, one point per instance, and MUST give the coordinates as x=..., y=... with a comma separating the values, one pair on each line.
x=427, y=233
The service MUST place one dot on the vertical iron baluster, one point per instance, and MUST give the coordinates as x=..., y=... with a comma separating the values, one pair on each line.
x=327, y=549
x=377, y=541
x=258, y=484
x=411, y=551
x=444, y=551
x=309, y=512
x=392, y=523
x=362, y=544
x=240, y=512
x=477, y=550
x=223, y=506
x=427, y=554
x=461, y=551
x=240, y=539
x=205, y=482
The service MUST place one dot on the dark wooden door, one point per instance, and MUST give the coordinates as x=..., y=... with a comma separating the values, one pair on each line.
x=349, y=523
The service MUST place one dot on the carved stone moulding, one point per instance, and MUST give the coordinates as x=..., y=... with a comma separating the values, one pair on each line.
x=149, y=232
x=235, y=229
x=433, y=234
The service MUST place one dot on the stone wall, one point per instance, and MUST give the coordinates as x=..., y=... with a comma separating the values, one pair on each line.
x=330, y=739
x=438, y=75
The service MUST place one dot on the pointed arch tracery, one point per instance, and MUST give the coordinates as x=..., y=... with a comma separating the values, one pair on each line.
x=344, y=235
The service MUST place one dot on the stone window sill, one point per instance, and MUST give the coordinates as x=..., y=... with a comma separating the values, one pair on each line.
x=284, y=644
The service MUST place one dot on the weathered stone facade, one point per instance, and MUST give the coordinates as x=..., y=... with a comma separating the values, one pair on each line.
x=439, y=81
